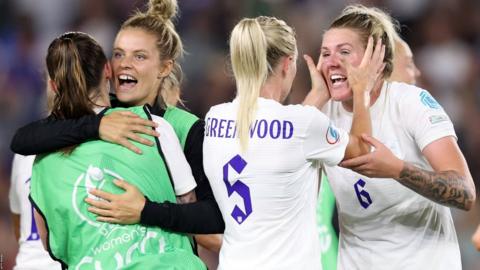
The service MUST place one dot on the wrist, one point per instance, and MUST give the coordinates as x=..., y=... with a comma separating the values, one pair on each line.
x=398, y=168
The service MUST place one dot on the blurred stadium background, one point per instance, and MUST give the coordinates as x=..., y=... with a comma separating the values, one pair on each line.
x=444, y=36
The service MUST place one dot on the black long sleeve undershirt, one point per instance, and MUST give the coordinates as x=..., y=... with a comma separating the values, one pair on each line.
x=50, y=134
x=203, y=216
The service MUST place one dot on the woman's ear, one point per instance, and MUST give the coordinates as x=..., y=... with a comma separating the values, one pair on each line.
x=165, y=69
x=107, y=70
x=53, y=86
x=286, y=64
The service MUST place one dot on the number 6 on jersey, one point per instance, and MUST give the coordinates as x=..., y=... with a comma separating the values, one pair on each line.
x=238, y=164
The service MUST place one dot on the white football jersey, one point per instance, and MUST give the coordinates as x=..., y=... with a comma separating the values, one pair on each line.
x=31, y=254
x=178, y=166
x=383, y=224
x=267, y=195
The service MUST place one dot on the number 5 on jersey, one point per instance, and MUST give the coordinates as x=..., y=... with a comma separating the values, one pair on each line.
x=238, y=164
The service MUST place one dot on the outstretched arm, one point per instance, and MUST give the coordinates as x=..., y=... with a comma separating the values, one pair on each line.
x=450, y=183
x=50, y=134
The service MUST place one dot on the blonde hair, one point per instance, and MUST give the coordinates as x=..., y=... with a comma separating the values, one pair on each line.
x=256, y=46
x=371, y=22
x=157, y=20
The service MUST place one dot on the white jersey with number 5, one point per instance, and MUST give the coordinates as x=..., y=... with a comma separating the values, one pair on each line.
x=267, y=195
x=383, y=224
x=31, y=254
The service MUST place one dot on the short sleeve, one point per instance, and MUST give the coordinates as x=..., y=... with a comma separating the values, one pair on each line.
x=13, y=195
x=425, y=119
x=177, y=163
x=323, y=141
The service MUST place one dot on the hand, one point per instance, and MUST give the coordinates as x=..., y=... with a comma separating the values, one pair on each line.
x=363, y=77
x=319, y=94
x=124, y=208
x=120, y=126
x=476, y=238
x=381, y=163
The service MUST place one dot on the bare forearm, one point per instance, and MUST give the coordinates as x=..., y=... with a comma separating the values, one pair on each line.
x=316, y=98
x=361, y=124
x=448, y=187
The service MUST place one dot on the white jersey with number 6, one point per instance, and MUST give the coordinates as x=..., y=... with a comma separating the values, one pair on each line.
x=267, y=195
x=383, y=224
x=31, y=254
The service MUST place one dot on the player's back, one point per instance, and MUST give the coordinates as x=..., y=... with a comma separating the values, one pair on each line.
x=60, y=184
x=266, y=194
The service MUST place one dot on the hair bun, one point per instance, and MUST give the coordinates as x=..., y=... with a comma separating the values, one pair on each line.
x=165, y=9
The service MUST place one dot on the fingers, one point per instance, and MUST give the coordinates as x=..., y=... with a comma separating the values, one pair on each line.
x=144, y=129
x=368, y=52
x=142, y=122
x=126, y=114
x=109, y=220
x=135, y=137
x=98, y=204
x=372, y=141
x=320, y=61
x=310, y=64
x=100, y=212
x=354, y=162
x=123, y=184
x=102, y=194
x=126, y=143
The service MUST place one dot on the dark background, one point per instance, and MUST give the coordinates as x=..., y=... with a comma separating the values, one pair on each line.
x=444, y=36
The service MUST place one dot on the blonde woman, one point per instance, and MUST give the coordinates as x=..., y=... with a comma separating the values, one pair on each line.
x=262, y=157
x=401, y=221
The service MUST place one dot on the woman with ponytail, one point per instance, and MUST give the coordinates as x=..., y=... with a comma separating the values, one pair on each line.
x=79, y=75
x=262, y=157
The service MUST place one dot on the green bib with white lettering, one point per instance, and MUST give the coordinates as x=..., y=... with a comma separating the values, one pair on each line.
x=60, y=183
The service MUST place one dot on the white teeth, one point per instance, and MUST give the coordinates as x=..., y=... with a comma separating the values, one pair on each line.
x=337, y=77
x=126, y=77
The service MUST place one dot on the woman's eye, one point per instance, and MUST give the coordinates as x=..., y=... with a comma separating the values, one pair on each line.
x=140, y=57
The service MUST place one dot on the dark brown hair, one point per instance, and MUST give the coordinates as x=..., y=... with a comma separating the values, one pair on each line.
x=75, y=62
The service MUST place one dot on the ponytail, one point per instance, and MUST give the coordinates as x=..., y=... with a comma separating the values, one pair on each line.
x=72, y=98
x=248, y=52
x=256, y=46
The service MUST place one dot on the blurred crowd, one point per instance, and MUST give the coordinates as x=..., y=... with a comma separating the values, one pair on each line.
x=444, y=36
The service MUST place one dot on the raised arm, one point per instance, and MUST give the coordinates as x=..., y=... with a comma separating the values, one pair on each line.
x=362, y=80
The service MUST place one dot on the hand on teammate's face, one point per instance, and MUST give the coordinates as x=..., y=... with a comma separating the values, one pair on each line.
x=363, y=77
